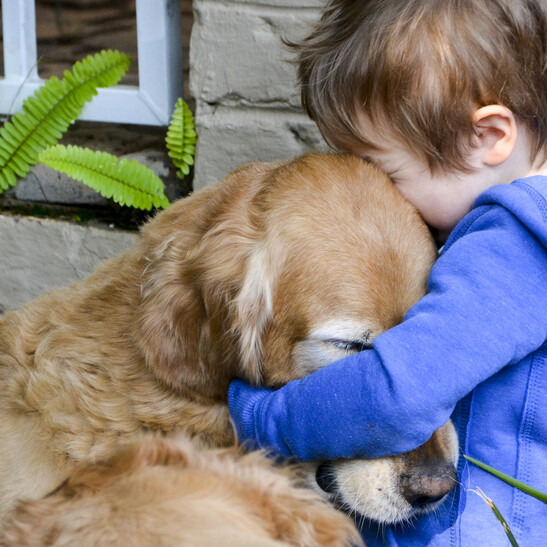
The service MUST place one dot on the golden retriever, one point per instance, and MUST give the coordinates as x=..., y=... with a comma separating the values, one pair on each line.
x=276, y=271
x=165, y=492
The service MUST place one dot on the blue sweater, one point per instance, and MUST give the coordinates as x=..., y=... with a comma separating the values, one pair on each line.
x=474, y=349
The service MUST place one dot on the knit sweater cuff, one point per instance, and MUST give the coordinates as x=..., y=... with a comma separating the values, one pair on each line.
x=245, y=402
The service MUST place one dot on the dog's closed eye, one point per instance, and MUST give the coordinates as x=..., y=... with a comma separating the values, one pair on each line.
x=352, y=346
x=330, y=343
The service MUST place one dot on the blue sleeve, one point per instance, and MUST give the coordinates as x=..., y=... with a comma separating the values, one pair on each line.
x=485, y=309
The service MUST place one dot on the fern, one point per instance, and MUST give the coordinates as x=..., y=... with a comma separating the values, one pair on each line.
x=48, y=113
x=127, y=182
x=181, y=139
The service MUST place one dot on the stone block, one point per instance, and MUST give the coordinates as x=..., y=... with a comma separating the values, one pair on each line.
x=237, y=56
x=43, y=184
x=319, y=4
x=229, y=138
x=39, y=254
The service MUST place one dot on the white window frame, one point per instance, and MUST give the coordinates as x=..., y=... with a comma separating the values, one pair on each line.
x=159, y=63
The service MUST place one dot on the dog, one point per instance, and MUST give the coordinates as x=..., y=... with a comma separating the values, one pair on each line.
x=272, y=273
x=163, y=491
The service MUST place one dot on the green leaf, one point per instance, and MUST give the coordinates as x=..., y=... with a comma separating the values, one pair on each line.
x=181, y=139
x=47, y=114
x=126, y=181
x=510, y=480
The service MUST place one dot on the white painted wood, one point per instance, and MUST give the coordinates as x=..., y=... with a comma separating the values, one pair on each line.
x=160, y=55
x=19, y=28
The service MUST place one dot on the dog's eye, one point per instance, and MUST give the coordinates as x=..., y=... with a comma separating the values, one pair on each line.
x=351, y=345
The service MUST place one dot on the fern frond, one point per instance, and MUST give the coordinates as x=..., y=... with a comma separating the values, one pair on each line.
x=47, y=114
x=127, y=182
x=181, y=139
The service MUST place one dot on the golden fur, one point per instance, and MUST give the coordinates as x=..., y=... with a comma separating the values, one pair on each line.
x=165, y=492
x=253, y=277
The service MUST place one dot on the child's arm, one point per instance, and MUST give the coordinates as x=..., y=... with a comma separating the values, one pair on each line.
x=485, y=310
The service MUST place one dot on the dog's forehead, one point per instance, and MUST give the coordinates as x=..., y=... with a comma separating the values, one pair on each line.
x=347, y=227
x=347, y=243
x=333, y=197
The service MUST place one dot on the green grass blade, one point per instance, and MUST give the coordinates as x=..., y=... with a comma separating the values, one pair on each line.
x=526, y=488
x=499, y=516
x=127, y=182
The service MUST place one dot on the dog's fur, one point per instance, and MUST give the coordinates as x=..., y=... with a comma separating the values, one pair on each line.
x=165, y=492
x=280, y=269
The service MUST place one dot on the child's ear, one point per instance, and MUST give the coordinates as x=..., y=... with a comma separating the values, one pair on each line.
x=496, y=130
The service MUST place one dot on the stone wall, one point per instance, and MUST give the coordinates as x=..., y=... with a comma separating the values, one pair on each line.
x=39, y=254
x=245, y=89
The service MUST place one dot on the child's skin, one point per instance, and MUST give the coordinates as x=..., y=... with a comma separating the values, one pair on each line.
x=450, y=99
x=501, y=154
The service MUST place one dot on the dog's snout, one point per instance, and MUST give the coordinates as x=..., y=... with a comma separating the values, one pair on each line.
x=326, y=477
x=423, y=488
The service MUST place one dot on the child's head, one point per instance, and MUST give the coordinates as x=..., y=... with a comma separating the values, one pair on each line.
x=418, y=71
x=424, y=67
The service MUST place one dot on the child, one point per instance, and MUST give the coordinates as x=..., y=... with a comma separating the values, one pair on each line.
x=449, y=97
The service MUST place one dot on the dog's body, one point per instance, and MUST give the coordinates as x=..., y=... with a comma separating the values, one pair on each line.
x=277, y=271
x=75, y=386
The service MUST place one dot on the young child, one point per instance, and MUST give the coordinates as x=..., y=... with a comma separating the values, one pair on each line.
x=449, y=97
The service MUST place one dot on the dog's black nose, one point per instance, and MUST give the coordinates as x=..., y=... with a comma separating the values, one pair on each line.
x=326, y=478
x=422, y=501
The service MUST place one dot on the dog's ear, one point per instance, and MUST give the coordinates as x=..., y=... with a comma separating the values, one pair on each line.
x=206, y=290
x=171, y=319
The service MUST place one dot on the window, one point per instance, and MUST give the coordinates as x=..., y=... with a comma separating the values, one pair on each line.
x=159, y=65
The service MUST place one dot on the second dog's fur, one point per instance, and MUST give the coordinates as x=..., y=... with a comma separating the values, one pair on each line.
x=164, y=492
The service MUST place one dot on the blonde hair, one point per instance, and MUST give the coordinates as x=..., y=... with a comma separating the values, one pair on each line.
x=425, y=66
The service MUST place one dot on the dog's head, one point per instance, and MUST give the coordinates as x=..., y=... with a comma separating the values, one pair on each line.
x=280, y=270
x=277, y=271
